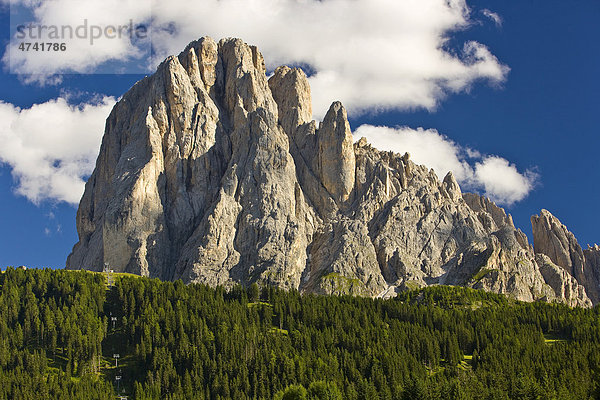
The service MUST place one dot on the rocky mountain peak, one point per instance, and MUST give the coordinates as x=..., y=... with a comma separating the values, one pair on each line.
x=336, y=153
x=291, y=92
x=210, y=172
x=553, y=239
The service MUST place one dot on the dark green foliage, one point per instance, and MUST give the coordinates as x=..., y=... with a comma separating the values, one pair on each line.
x=253, y=292
x=195, y=342
x=322, y=390
x=51, y=333
x=293, y=392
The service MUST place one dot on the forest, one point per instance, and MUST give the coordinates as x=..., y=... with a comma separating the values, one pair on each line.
x=67, y=334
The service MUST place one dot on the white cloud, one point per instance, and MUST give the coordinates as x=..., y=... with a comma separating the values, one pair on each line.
x=51, y=147
x=502, y=181
x=493, y=16
x=367, y=53
x=370, y=54
x=426, y=147
x=494, y=175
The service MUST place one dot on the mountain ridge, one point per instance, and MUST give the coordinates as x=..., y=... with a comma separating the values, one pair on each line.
x=210, y=172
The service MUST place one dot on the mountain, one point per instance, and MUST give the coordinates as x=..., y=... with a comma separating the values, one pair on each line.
x=210, y=172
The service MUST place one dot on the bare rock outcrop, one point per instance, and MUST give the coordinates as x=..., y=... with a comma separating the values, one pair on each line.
x=210, y=172
x=552, y=239
x=565, y=286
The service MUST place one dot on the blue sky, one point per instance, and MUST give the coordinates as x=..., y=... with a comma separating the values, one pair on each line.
x=517, y=116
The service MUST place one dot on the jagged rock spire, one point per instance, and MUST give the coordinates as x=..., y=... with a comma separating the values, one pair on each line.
x=552, y=239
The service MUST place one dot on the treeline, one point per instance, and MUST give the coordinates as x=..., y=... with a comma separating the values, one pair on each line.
x=195, y=342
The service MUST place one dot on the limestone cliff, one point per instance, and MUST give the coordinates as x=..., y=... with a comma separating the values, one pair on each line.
x=554, y=240
x=210, y=172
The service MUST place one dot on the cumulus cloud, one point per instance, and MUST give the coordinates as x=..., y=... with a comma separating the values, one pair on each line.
x=495, y=176
x=426, y=146
x=502, y=181
x=52, y=147
x=370, y=54
x=493, y=16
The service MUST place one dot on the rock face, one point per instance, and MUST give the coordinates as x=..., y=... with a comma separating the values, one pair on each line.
x=208, y=172
x=553, y=239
